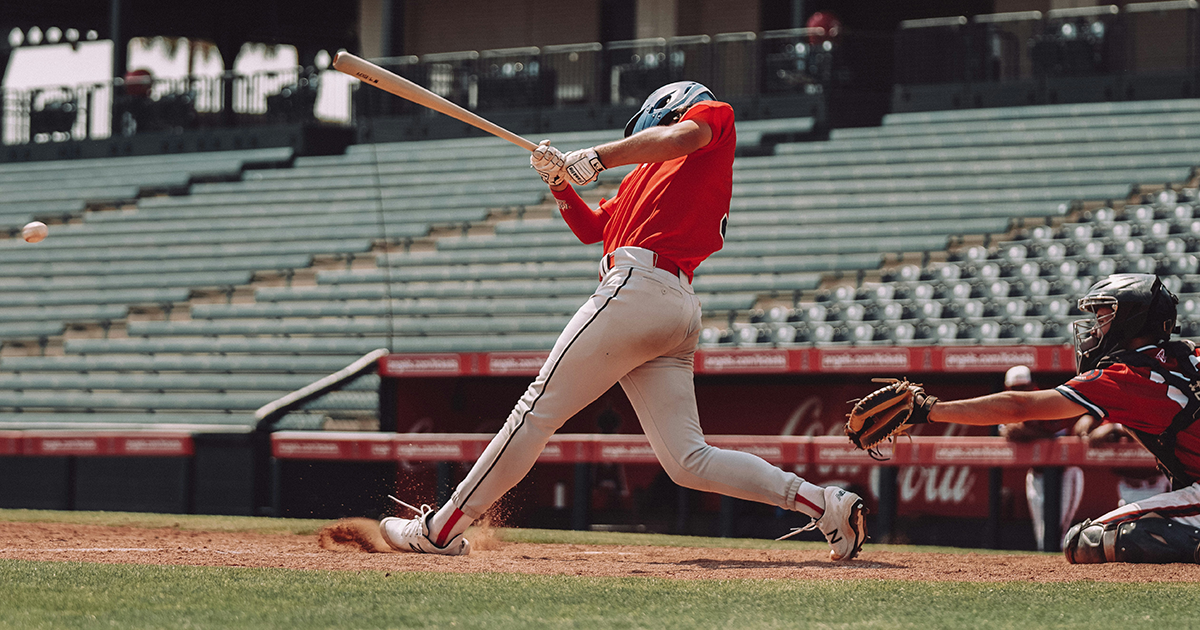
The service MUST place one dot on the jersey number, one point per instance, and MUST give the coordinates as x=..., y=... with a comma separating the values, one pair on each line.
x=724, y=225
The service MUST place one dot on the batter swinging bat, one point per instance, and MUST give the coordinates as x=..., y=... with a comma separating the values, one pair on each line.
x=390, y=82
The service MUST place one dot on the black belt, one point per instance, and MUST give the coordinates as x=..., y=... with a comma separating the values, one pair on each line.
x=659, y=262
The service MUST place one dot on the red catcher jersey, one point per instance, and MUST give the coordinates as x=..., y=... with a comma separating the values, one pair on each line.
x=1139, y=399
x=678, y=208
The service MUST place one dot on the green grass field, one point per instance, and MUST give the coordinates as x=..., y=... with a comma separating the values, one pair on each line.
x=69, y=595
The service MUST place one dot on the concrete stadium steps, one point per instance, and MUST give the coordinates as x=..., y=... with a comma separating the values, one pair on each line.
x=1060, y=112
x=340, y=345
x=108, y=420
x=202, y=163
x=331, y=245
x=67, y=400
x=965, y=181
x=554, y=233
x=510, y=174
x=71, y=237
x=386, y=187
x=437, y=211
x=51, y=284
x=61, y=190
x=31, y=330
x=881, y=215
x=400, y=272
x=450, y=289
x=980, y=166
x=469, y=196
x=892, y=129
x=74, y=313
x=335, y=200
x=351, y=326
x=1139, y=131
x=398, y=222
x=311, y=365
x=124, y=297
x=582, y=255
x=179, y=265
x=160, y=382
x=833, y=163
x=425, y=307
x=1051, y=196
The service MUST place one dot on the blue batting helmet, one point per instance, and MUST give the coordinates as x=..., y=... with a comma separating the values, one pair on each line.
x=667, y=105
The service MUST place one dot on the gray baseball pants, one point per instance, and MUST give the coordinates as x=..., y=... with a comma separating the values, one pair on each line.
x=639, y=328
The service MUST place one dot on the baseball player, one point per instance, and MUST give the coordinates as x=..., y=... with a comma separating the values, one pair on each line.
x=1130, y=372
x=1020, y=378
x=639, y=328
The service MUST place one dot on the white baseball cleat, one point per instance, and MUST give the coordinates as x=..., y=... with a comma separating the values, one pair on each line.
x=842, y=524
x=412, y=534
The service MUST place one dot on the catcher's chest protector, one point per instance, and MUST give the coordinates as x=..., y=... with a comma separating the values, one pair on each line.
x=1187, y=381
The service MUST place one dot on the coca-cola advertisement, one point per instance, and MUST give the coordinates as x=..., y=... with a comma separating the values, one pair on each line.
x=733, y=402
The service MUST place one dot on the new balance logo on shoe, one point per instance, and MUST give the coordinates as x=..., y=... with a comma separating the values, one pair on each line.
x=842, y=524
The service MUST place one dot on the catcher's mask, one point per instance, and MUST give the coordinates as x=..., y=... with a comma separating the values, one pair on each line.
x=1133, y=304
x=667, y=104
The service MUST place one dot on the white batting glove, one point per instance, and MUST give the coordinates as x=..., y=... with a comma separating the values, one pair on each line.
x=583, y=166
x=548, y=162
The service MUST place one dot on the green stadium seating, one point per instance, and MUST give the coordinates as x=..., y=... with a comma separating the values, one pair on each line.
x=74, y=313
x=310, y=345
x=259, y=281
x=1061, y=112
x=379, y=308
x=447, y=289
x=433, y=273
x=350, y=326
x=178, y=265
x=288, y=363
x=280, y=383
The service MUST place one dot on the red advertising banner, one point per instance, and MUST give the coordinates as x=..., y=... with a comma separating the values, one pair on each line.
x=881, y=360
x=334, y=445
x=465, y=447
x=766, y=360
x=786, y=451
x=514, y=363
x=1000, y=358
x=408, y=365
x=71, y=443
x=10, y=442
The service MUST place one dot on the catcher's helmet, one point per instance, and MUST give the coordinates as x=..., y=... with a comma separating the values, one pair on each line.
x=667, y=105
x=1141, y=306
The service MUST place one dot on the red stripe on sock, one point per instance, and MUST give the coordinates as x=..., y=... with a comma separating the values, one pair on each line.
x=445, y=533
x=820, y=512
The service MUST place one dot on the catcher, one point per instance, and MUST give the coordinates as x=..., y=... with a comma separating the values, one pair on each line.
x=1129, y=373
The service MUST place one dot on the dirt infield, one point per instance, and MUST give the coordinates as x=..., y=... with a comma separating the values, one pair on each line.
x=354, y=545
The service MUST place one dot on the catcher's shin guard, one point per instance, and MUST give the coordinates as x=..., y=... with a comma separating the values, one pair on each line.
x=1084, y=543
x=1148, y=540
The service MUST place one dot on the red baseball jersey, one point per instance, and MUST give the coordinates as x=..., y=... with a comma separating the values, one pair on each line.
x=678, y=208
x=1138, y=398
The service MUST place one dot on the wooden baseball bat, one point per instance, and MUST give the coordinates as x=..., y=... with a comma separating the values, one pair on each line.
x=372, y=74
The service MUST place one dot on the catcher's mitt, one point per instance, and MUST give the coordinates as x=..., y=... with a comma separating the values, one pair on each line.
x=887, y=412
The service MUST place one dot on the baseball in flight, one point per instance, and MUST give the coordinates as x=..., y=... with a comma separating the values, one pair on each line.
x=35, y=231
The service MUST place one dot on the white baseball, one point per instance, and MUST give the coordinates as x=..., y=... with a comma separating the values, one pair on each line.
x=35, y=231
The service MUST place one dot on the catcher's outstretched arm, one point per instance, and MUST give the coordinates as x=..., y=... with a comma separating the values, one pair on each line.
x=1006, y=408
